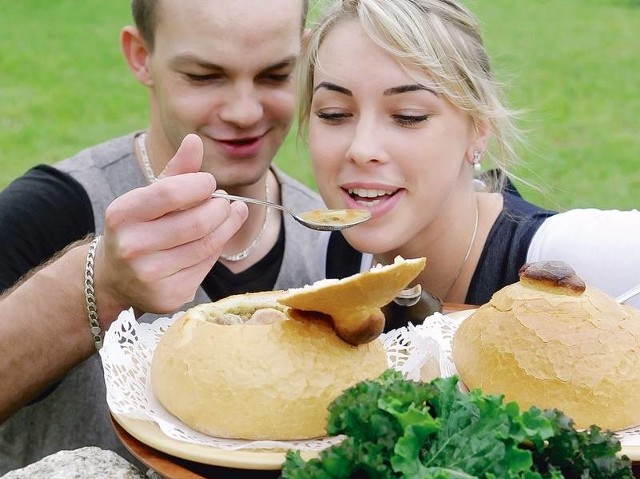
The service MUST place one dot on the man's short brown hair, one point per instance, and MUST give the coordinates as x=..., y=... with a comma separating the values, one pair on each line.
x=145, y=14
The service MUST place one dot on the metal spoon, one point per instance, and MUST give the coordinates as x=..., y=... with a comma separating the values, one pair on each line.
x=323, y=220
x=627, y=295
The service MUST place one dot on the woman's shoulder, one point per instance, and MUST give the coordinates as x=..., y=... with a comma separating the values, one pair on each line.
x=506, y=247
x=589, y=225
x=601, y=245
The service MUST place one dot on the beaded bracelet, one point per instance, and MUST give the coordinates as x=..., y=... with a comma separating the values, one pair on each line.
x=89, y=295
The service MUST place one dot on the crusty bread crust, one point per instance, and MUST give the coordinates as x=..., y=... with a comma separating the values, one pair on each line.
x=275, y=381
x=541, y=342
x=267, y=381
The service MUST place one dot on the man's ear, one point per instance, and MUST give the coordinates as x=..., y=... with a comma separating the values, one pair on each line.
x=136, y=54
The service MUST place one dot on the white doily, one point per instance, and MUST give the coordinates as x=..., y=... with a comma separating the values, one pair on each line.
x=126, y=359
x=430, y=349
x=419, y=352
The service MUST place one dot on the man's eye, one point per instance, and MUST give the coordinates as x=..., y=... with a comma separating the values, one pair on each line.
x=410, y=120
x=331, y=117
x=202, y=78
x=279, y=78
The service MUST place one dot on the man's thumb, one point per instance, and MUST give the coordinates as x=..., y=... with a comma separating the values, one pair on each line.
x=188, y=158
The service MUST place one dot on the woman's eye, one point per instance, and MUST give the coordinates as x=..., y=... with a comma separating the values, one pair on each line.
x=410, y=120
x=331, y=117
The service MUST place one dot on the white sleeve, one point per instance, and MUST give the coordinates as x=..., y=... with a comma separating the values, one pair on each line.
x=602, y=246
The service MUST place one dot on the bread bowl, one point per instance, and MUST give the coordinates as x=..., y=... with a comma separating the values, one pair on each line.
x=551, y=340
x=251, y=367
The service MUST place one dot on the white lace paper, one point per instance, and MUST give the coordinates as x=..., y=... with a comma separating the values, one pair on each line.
x=431, y=342
x=419, y=352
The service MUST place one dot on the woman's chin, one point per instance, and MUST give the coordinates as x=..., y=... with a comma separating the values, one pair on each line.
x=369, y=241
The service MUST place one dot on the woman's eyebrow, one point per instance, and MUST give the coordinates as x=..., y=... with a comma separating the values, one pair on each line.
x=405, y=88
x=333, y=87
x=389, y=91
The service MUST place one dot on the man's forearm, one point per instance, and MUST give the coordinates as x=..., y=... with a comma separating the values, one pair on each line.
x=44, y=330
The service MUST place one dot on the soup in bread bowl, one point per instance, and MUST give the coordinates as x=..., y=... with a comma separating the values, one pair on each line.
x=266, y=365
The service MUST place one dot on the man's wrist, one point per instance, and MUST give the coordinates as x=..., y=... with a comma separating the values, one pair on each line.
x=90, y=296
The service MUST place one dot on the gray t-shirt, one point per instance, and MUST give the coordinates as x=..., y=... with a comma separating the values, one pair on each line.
x=75, y=413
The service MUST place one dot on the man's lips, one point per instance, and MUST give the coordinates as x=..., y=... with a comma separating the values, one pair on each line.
x=241, y=141
x=242, y=147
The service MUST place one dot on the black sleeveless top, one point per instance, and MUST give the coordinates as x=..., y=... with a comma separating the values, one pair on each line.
x=504, y=252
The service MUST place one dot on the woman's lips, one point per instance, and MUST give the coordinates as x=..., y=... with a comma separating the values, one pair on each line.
x=376, y=200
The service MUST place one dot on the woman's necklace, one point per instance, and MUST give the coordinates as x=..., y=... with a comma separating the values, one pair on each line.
x=466, y=256
x=151, y=177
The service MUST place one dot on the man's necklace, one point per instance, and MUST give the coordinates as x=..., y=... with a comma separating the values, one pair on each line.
x=466, y=256
x=151, y=177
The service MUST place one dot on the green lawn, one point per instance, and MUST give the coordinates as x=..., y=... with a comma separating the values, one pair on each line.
x=572, y=65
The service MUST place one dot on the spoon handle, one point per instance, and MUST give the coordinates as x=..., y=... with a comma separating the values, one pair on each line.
x=249, y=200
x=627, y=295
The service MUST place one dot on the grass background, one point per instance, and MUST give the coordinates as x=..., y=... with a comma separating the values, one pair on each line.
x=571, y=65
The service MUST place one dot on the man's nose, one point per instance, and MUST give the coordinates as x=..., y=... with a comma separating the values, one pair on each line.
x=243, y=107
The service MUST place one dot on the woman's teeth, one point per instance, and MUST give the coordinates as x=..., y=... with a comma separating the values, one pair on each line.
x=368, y=197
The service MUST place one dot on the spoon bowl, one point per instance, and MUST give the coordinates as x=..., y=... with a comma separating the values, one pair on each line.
x=322, y=220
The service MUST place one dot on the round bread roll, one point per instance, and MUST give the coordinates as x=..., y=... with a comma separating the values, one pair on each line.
x=551, y=341
x=269, y=380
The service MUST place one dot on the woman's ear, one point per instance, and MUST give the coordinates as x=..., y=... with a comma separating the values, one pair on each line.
x=136, y=54
x=480, y=141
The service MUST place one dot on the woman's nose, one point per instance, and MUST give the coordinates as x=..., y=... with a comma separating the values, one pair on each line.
x=243, y=107
x=366, y=145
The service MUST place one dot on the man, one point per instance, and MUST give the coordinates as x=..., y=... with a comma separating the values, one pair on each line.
x=220, y=69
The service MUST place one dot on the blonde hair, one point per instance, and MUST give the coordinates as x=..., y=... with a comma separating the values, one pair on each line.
x=438, y=37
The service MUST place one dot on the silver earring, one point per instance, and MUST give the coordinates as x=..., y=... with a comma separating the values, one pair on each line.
x=478, y=184
x=477, y=161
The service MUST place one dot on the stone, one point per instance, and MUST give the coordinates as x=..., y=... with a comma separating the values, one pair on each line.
x=83, y=463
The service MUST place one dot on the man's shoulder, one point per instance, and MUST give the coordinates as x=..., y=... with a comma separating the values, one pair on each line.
x=107, y=170
x=99, y=156
x=295, y=192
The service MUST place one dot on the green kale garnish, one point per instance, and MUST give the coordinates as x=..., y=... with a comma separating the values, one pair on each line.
x=396, y=428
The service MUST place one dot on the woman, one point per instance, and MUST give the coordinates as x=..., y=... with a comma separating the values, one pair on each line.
x=401, y=109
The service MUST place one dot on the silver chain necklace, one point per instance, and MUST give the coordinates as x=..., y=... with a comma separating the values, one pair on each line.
x=466, y=256
x=411, y=294
x=151, y=177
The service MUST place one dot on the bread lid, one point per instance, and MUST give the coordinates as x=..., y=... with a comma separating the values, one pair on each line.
x=353, y=304
x=552, y=341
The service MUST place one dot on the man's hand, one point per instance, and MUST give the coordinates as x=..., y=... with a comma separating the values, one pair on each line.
x=160, y=241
